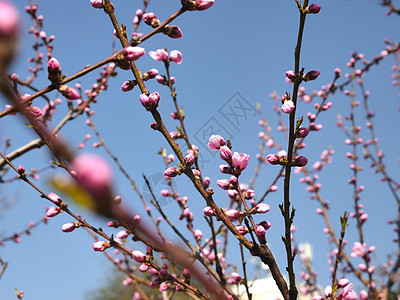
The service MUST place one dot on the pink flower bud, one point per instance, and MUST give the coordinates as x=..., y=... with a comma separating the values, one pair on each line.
x=204, y=4
x=174, y=32
x=52, y=212
x=206, y=182
x=291, y=75
x=240, y=161
x=122, y=235
x=273, y=159
x=267, y=225
x=288, y=106
x=118, y=199
x=226, y=154
x=175, y=56
x=161, y=79
x=128, y=85
x=224, y=184
x=171, y=172
x=300, y=161
x=313, y=9
x=343, y=282
x=69, y=92
x=68, y=227
x=156, y=281
x=208, y=211
x=160, y=55
x=198, y=234
x=311, y=75
x=149, y=18
x=97, y=3
x=54, y=198
x=262, y=208
x=143, y=267
x=9, y=19
x=190, y=157
x=150, y=102
x=138, y=256
x=101, y=246
x=133, y=53
x=136, y=220
x=150, y=74
x=54, y=68
x=21, y=170
x=302, y=132
x=215, y=142
x=236, y=277
x=233, y=214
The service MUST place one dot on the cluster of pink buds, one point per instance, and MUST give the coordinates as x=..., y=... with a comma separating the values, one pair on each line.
x=172, y=31
x=162, y=55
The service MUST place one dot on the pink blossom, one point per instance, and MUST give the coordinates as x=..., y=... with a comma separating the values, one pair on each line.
x=291, y=75
x=343, y=282
x=204, y=4
x=311, y=75
x=97, y=3
x=149, y=18
x=160, y=55
x=171, y=172
x=101, y=246
x=52, y=212
x=133, y=53
x=9, y=19
x=273, y=159
x=288, y=106
x=358, y=250
x=68, y=227
x=198, y=234
x=54, y=198
x=189, y=158
x=150, y=102
x=313, y=9
x=236, y=277
x=233, y=214
x=208, y=211
x=348, y=294
x=128, y=85
x=69, y=92
x=54, y=68
x=92, y=172
x=240, y=161
x=117, y=199
x=224, y=184
x=175, y=56
x=302, y=132
x=215, y=142
x=143, y=267
x=174, y=32
x=138, y=256
x=123, y=234
x=262, y=208
x=300, y=161
x=226, y=154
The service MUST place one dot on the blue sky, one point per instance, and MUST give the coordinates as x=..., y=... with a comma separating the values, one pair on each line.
x=235, y=51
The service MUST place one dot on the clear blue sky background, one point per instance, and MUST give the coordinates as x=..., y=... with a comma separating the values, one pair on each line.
x=234, y=47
